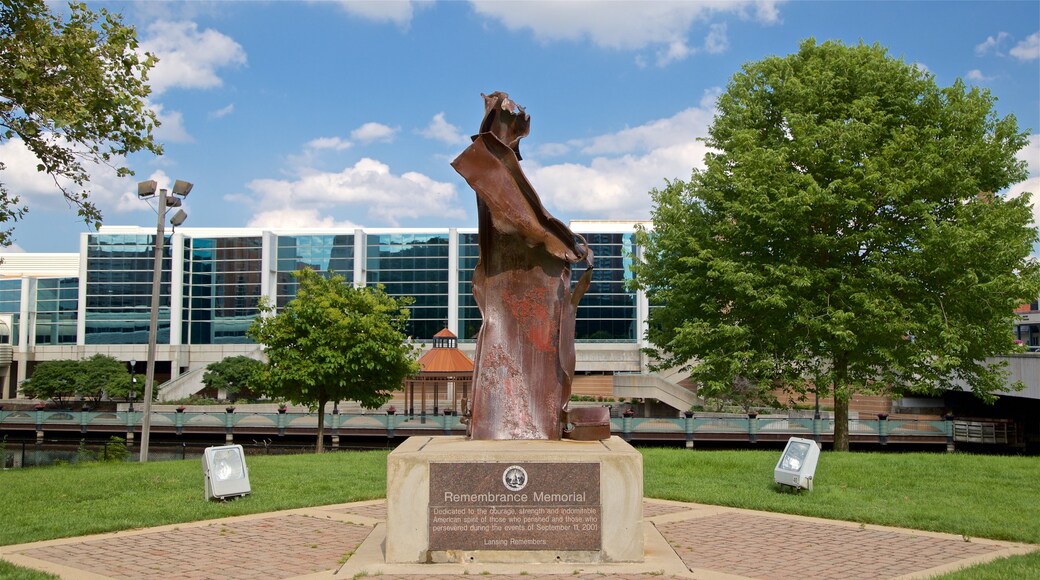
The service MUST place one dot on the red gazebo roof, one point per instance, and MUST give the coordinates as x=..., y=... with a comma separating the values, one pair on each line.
x=441, y=359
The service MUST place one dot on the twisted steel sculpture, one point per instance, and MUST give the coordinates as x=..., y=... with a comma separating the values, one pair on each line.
x=524, y=361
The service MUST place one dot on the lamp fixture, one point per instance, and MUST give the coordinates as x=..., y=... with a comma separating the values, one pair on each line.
x=178, y=218
x=146, y=189
x=224, y=468
x=797, y=464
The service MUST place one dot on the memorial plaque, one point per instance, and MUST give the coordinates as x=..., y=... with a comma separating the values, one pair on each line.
x=515, y=506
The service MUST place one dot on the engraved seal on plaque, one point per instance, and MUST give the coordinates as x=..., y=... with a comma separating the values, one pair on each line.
x=514, y=478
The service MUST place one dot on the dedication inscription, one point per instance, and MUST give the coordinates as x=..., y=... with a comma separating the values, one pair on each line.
x=515, y=506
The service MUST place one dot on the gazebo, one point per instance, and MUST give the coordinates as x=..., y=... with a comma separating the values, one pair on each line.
x=446, y=371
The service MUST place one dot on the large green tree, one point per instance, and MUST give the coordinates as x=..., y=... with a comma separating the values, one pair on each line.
x=234, y=374
x=845, y=234
x=334, y=342
x=72, y=92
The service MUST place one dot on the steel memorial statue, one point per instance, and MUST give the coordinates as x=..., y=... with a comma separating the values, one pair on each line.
x=524, y=360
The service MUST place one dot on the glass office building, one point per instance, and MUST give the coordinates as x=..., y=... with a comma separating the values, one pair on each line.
x=213, y=280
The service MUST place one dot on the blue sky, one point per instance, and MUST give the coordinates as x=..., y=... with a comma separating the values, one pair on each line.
x=314, y=114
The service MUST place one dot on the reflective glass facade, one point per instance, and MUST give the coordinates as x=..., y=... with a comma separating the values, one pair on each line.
x=607, y=313
x=469, y=314
x=416, y=265
x=57, y=308
x=222, y=275
x=221, y=288
x=119, y=289
x=11, y=303
x=322, y=253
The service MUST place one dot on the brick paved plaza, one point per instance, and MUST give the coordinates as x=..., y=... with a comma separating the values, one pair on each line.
x=345, y=541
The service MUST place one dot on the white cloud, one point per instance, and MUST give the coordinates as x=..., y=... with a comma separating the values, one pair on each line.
x=441, y=130
x=171, y=125
x=675, y=51
x=615, y=187
x=188, y=58
x=372, y=132
x=975, y=75
x=656, y=134
x=627, y=25
x=992, y=43
x=222, y=112
x=398, y=12
x=717, y=42
x=1028, y=49
x=1031, y=155
x=296, y=218
x=367, y=187
x=334, y=143
x=1031, y=185
x=626, y=165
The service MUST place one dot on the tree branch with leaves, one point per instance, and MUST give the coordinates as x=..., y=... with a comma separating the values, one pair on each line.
x=73, y=92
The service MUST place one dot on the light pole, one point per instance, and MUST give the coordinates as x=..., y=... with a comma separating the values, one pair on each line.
x=146, y=190
x=133, y=382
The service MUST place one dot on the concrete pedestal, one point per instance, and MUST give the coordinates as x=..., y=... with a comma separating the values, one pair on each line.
x=450, y=499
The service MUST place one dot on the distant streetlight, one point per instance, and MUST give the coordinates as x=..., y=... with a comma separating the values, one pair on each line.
x=147, y=190
x=133, y=382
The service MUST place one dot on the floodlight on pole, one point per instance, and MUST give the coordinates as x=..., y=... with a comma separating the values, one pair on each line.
x=178, y=218
x=145, y=190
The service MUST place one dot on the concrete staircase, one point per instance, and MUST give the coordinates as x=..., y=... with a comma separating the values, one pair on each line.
x=183, y=386
x=662, y=386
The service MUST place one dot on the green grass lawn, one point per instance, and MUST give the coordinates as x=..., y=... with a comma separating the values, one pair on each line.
x=976, y=496
x=982, y=496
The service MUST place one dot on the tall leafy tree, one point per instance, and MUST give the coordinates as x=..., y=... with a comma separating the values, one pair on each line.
x=334, y=342
x=845, y=234
x=234, y=374
x=72, y=92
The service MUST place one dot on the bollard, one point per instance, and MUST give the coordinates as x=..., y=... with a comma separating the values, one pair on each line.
x=689, y=429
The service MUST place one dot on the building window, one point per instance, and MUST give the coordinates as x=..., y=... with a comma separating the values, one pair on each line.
x=330, y=253
x=11, y=303
x=57, y=310
x=416, y=265
x=221, y=289
x=119, y=289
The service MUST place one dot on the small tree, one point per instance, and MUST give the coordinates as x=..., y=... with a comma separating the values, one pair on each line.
x=102, y=375
x=91, y=379
x=234, y=374
x=73, y=93
x=334, y=342
x=55, y=380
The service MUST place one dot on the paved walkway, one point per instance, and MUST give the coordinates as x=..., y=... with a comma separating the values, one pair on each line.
x=346, y=541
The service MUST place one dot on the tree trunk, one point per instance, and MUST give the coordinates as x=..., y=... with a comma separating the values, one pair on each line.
x=842, y=394
x=319, y=446
x=841, y=420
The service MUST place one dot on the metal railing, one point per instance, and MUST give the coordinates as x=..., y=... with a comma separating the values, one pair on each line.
x=735, y=428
